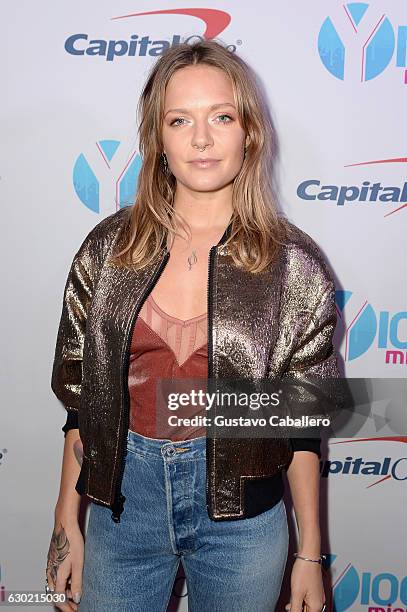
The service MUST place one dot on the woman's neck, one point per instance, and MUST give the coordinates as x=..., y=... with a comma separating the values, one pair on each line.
x=204, y=214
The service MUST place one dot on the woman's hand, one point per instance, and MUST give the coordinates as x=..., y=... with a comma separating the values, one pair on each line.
x=65, y=562
x=307, y=587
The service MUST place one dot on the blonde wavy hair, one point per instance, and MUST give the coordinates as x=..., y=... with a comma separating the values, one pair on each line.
x=257, y=229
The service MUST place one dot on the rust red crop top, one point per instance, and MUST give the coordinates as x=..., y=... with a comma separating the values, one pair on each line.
x=165, y=347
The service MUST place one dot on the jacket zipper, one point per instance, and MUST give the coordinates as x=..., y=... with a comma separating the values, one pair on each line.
x=118, y=503
x=119, y=498
x=210, y=347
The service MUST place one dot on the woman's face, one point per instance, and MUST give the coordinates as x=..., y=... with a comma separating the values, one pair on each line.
x=192, y=122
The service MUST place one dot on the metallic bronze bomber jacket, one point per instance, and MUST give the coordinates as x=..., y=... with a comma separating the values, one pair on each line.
x=271, y=324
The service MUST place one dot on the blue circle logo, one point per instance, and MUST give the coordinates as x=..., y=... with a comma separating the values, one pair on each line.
x=102, y=180
x=374, y=47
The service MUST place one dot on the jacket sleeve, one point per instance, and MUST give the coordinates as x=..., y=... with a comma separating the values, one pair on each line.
x=66, y=375
x=315, y=356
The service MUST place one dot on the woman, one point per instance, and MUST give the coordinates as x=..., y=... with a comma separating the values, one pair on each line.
x=257, y=302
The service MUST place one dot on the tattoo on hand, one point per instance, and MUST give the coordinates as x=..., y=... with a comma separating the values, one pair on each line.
x=57, y=552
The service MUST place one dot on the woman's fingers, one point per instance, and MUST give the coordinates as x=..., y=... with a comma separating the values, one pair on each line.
x=76, y=581
x=74, y=606
x=62, y=587
x=50, y=580
x=314, y=607
x=296, y=603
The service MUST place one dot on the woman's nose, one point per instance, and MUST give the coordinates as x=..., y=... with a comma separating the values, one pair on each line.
x=202, y=137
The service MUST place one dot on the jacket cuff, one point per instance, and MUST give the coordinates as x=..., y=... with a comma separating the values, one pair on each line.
x=308, y=444
x=71, y=421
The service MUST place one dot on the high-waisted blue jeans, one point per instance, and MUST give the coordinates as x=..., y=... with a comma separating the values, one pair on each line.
x=230, y=566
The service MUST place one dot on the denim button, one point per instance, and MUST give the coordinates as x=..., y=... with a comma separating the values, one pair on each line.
x=93, y=452
x=171, y=451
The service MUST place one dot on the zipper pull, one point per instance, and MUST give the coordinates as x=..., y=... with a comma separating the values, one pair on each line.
x=118, y=508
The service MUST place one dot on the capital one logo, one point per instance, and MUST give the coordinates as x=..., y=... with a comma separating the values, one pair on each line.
x=357, y=42
x=105, y=176
x=141, y=46
x=366, y=328
x=353, y=588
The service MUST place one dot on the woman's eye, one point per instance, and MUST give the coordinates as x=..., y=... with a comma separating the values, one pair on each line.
x=175, y=121
x=228, y=116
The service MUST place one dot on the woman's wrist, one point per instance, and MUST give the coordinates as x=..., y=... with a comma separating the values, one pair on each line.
x=316, y=559
x=66, y=513
x=310, y=548
x=308, y=551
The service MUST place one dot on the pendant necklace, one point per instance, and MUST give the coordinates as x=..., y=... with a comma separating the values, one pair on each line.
x=192, y=259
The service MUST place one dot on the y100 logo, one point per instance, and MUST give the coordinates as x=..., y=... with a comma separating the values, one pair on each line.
x=106, y=173
x=353, y=589
x=358, y=44
x=367, y=325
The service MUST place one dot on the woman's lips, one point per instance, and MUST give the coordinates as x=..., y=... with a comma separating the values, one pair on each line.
x=207, y=163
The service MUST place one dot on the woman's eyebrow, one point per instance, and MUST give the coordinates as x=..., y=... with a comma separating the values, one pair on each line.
x=185, y=110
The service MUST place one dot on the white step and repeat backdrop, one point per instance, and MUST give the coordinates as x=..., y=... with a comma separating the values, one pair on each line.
x=336, y=78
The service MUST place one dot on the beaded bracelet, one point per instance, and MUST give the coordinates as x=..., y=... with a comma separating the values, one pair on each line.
x=319, y=560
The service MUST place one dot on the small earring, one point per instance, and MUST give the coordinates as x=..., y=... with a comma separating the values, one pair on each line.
x=165, y=162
